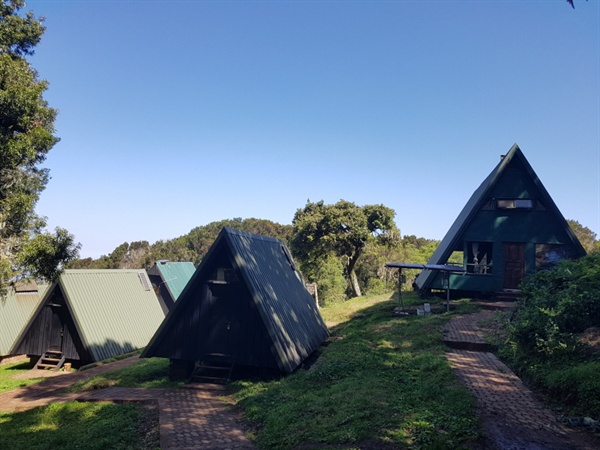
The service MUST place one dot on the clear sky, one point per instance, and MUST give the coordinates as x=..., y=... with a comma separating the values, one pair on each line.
x=175, y=114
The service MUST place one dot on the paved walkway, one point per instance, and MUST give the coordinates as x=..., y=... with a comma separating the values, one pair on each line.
x=190, y=418
x=512, y=416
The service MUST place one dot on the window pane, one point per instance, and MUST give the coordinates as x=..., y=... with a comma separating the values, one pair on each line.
x=479, y=257
x=506, y=204
x=523, y=203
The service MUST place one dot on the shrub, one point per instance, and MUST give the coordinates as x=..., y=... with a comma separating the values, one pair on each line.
x=331, y=283
x=556, y=304
x=542, y=344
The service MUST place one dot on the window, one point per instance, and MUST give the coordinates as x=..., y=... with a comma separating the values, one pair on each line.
x=479, y=257
x=515, y=203
x=548, y=255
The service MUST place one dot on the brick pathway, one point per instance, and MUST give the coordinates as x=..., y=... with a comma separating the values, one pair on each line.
x=190, y=418
x=512, y=417
x=466, y=332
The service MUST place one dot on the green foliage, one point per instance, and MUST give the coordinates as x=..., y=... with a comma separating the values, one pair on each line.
x=331, y=284
x=577, y=387
x=556, y=304
x=45, y=253
x=544, y=342
x=18, y=35
x=382, y=379
x=343, y=229
x=76, y=425
x=586, y=236
x=190, y=247
x=26, y=136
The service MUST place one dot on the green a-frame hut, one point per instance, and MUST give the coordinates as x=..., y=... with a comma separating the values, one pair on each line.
x=510, y=227
x=245, y=307
x=168, y=279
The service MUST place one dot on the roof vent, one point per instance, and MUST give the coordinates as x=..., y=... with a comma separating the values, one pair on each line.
x=144, y=281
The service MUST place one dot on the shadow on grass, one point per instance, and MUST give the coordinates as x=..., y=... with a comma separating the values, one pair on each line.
x=380, y=377
x=81, y=425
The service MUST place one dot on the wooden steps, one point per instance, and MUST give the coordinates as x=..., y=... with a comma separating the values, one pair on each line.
x=214, y=368
x=51, y=360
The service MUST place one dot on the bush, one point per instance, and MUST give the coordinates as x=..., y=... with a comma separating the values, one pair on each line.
x=542, y=344
x=578, y=387
x=331, y=283
x=556, y=304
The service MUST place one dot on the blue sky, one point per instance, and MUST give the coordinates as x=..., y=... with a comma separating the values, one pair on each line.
x=175, y=114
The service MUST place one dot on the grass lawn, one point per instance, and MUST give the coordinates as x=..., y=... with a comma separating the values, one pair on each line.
x=8, y=371
x=146, y=373
x=86, y=425
x=382, y=380
x=81, y=425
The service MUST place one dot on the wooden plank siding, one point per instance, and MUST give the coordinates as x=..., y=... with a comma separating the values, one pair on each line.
x=246, y=300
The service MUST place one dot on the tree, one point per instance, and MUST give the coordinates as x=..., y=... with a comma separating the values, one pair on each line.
x=190, y=247
x=586, y=236
x=343, y=229
x=26, y=136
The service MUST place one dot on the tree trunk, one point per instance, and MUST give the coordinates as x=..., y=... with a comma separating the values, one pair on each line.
x=352, y=274
x=354, y=284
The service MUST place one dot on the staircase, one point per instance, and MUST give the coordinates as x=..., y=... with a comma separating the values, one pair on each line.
x=214, y=368
x=51, y=360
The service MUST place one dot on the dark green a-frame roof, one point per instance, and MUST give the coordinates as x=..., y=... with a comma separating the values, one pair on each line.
x=277, y=321
x=481, y=198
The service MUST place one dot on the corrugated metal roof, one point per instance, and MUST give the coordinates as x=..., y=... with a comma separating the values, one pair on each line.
x=175, y=275
x=114, y=310
x=290, y=315
x=287, y=309
x=15, y=311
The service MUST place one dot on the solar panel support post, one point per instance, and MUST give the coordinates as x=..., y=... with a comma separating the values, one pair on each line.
x=400, y=303
x=447, y=276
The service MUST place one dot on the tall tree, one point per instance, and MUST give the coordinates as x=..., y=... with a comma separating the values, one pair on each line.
x=26, y=136
x=586, y=236
x=344, y=229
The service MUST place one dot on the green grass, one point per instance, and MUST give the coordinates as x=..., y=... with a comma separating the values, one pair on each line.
x=8, y=371
x=87, y=425
x=81, y=425
x=382, y=379
x=145, y=373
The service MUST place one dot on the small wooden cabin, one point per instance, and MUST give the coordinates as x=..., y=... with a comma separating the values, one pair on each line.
x=245, y=307
x=168, y=280
x=510, y=227
x=16, y=307
x=91, y=315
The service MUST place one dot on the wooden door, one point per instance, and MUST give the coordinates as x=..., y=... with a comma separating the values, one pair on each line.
x=55, y=338
x=514, y=264
x=224, y=320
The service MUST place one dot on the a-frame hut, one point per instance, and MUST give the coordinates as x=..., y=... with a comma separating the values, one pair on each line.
x=245, y=307
x=510, y=227
x=16, y=307
x=168, y=279
x=91, y=315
